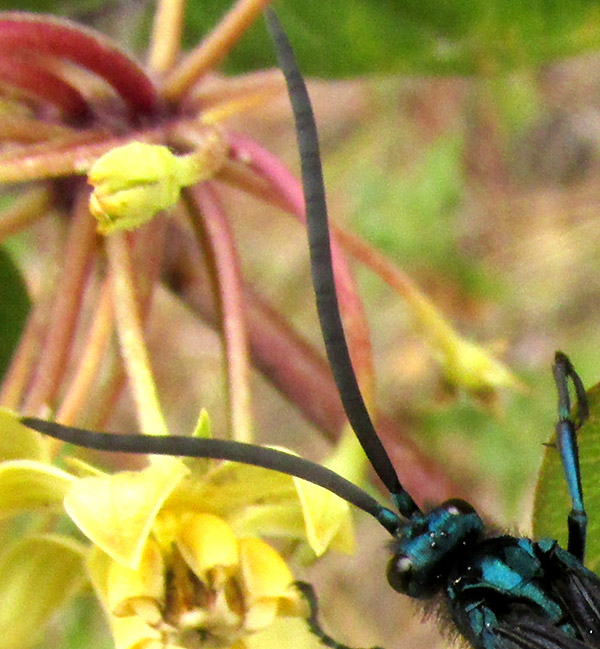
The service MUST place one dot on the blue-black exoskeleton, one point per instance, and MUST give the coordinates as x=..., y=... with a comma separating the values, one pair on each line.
x=500, y=591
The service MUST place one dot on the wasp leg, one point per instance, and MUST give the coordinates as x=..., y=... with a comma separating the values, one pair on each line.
x=566, y=434
x=308, y=592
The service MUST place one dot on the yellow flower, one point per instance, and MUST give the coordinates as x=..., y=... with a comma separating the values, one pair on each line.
x=175, y=558
x=39, y=572
x=198, y=586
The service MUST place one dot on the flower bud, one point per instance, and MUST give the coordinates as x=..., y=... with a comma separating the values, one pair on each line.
x=132, y=183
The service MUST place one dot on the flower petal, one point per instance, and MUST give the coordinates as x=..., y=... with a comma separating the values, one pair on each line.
x=27, y=485
x=19, y=442
x=134, y=633
x=131, y=632
x=327, y=517
x=140, y=591
x=116, y=512
x=265, y=575
x=281, y=520
x=205, y=542
x=228, y=487
x=37, y=575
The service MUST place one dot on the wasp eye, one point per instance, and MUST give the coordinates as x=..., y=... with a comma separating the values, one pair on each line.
x=399, y=573
x=456, y=506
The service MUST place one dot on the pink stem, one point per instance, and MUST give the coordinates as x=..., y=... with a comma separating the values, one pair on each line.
x=65, y=309
x=26, y=33
x=228, y=275
x=268, y=166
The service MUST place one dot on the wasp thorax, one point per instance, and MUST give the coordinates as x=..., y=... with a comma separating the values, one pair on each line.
x=425, y=547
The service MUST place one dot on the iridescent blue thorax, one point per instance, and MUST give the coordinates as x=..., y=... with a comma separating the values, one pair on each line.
x=494, y=584
x=425, y=547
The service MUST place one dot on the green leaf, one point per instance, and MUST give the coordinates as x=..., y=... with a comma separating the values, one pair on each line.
x=352, y=37
x=552, y=504
x=14, y=307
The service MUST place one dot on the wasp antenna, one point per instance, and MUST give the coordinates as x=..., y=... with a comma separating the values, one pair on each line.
x=322, y=271
x=220, y=449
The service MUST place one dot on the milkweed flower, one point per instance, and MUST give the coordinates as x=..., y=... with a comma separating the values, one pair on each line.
x=174, y=553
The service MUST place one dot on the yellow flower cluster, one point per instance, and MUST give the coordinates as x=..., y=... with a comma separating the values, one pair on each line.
x=175, y=557
x=199, y=586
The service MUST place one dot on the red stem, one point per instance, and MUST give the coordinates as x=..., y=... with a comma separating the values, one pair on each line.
x=24, y=33
x=65, y=309
x=35, y=81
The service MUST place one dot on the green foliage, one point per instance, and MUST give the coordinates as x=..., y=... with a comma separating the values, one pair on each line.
x=345, y=38
x=402, y=215
x=14, y=306
x=353, y=37
x=51, y=6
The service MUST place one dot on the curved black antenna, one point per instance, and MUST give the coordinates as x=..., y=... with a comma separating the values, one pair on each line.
x=219, y=449
x=322, y=271
x=566, y=437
